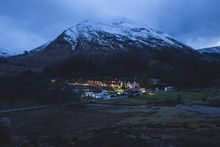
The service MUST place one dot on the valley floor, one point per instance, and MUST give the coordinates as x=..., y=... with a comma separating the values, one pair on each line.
x=114, y=126
x=117, y=123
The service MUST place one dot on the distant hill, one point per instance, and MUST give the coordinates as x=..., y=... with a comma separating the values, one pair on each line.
x=9, y=69
x=212, y=52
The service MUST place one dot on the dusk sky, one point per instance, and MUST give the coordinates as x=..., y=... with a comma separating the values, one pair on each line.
x=26, y=24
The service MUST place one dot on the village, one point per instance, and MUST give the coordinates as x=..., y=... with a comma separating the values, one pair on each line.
x=106, y=89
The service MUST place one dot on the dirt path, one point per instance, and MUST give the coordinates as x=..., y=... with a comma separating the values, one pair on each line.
x=26, y=109
x=34, y=107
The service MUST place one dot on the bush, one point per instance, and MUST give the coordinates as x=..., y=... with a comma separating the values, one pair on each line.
x=179, y=98
x=5, y=133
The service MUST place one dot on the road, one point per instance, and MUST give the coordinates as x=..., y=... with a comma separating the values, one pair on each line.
x=26, y=108
x=37, y=107
x=41, y=107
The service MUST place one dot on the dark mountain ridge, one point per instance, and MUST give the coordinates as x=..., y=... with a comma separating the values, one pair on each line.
x=213, y=52
x=121, y=48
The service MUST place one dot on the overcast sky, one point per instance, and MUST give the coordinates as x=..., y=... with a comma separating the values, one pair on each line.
x=26, y=24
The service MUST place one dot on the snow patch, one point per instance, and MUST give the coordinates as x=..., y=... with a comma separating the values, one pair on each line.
x=121, y=29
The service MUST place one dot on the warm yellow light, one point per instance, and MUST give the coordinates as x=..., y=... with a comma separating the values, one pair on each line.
x=151, y=93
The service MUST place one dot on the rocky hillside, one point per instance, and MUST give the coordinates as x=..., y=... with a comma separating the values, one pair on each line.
x=120, y=48
x=100, y=36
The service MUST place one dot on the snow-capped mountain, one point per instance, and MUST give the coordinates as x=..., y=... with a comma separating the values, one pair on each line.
x=117, y=34
x=212, y=50
x=103, y=36
x=6, y=53
x=119, y=48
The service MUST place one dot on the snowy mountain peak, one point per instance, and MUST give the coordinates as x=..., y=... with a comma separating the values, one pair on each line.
x=102, y=31
x=212, y=50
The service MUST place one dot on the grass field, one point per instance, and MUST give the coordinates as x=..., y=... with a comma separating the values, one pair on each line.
x=168, y=116
x=174, y=95
x=100, y=124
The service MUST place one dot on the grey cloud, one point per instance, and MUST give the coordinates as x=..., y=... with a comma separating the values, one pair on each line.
x=25, y=24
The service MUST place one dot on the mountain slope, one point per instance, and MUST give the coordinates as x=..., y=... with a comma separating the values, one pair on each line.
x=107, y=36
x=121, y=48
x=213, y=52
x=117, y=34
x=40, y=48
